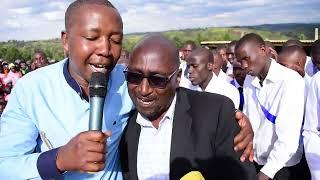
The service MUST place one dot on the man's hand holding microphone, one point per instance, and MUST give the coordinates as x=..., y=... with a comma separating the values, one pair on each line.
x=87, y=151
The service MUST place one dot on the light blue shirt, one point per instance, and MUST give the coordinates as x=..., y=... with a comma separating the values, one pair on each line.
x=43, y=102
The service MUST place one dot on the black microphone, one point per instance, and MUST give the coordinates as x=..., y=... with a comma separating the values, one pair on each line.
x=97, y=93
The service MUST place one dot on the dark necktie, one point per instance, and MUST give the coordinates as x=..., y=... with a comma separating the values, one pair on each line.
x=240, y=89
x=315, y=69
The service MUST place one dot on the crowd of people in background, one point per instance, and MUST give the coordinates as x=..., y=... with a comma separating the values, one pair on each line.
x=240, y=111
x=276, y=90
x=203, y=69
x=11, y=72
x=219, y=71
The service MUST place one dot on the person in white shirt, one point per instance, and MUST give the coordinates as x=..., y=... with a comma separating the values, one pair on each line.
x=223, y=52
x=274, y=97
x=217, y=67
x=231, y=57
x=200, y=64
x=239, y=76
x=186, y=50
x=294, y=57
x=313, y=65
x=311, y=135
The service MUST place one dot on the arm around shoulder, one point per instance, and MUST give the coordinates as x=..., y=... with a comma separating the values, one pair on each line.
x=229, y=164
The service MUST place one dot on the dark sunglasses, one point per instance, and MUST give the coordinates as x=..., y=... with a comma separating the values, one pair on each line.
x=155, y=81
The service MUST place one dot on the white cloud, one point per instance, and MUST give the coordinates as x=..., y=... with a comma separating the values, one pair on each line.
x=21, y=11
x=43, y=19
x=12, y=24
x=54, y=15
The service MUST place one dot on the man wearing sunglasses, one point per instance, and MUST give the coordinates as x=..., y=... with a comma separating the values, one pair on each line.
x=176, y=130
x=52, y=142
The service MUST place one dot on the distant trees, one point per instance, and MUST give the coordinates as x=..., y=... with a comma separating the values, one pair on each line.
x=13, y=49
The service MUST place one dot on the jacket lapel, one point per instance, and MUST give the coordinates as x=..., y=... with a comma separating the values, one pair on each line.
x=133, y=135
x=181, y=131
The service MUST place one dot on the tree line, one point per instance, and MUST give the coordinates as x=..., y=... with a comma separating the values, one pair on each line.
x=13, y=49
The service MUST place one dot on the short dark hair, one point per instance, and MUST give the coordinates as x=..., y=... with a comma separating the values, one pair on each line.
x=289, y=50
x=205, y=52
x=80, y=3
x=292, y=42
x=315, y=49
x=192, y=43
x=215, y=52
x=251, y=37
x=221, y=47
x=269, y=44
x=233, y=43
x=38, y=51
x=292, y=49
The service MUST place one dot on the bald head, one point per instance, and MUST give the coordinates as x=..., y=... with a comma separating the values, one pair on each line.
x=73, y=7
x=293, y=57
x=159, y=46
x=202, y=52
x=250, y=38
x=153, y=76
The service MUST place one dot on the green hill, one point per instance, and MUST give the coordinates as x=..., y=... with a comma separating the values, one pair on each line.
x=12, y=50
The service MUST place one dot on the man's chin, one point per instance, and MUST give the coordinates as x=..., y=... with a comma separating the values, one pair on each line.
x=194, y=83
x=251, y=73
x=149, y=114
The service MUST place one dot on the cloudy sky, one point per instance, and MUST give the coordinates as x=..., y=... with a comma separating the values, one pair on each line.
x=44, y=19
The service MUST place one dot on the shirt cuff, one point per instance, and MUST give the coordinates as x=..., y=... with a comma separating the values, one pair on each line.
x=270, y=170
x=46, y=165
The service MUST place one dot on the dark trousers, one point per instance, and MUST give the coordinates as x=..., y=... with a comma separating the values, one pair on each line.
x=296, y=172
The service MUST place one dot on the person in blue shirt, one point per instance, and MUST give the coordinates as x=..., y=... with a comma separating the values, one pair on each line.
x=44, y=128
x=49, y=107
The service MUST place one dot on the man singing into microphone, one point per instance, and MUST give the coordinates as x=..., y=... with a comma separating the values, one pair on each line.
x=44, y=128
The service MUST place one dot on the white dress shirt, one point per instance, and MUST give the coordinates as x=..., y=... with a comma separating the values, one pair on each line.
x=282, y=95
x=153, y=159
x=311, y=135
x=229, y=69
x=310, y=68
x=221, y=87
x=224, y=77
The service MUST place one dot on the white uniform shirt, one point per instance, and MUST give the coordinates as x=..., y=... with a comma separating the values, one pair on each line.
x=153, y=159
x=224, y=77
x=229, y=69
x=216, y=85
x=310, y=68
x=311, y=135
x=221, y=87
x=282, y=95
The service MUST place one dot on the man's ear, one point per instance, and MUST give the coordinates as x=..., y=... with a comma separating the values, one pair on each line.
x=210, y=66
x=178, y=79
x=64, y=40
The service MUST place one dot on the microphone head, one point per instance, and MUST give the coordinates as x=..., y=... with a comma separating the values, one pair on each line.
x=98, y=84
